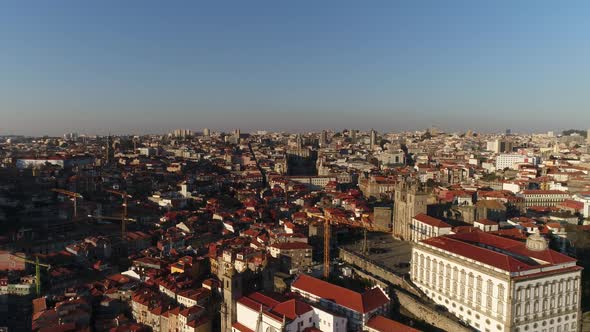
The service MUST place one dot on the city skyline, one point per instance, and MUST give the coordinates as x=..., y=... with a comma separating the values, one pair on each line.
x=144, y=67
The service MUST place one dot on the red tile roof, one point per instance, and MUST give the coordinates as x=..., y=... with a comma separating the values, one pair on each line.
x=434, y=222
x=484, y=247
x=241, y=327
x=362, y=303
x=571, y=204
x=292, y=308
x=487, y=222
x=383, y=324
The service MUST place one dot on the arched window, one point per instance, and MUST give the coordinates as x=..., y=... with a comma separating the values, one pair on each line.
x=463, y=283
x=421, y=268
x=434, y=273
x=441, y=273
x=479, y=290
x=455, y=281
x=470, y=287
x=501, y=292
x=545, y=304
x=428, y=272
x=448, y=278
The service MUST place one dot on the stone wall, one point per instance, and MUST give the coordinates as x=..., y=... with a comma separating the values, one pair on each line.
x=427, y=313
x=408, y=296
x=376, y=270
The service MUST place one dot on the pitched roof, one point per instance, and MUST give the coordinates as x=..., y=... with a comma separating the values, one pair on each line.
x=434, y=222
x=487, y=222
x=291, y=245
x=362, y=303
x=292, y=308
x=383, y=324
x=497, y=251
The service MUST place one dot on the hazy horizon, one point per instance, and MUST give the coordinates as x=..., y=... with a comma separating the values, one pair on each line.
x=139, y=67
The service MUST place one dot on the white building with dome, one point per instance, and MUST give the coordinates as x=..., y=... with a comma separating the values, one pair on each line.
x=497, y=284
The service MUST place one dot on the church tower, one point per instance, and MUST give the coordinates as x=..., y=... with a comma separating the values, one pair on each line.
x=231, y=282
x=410, y=199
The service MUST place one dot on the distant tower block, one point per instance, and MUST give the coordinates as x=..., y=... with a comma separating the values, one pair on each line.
x=206, y=132
x=373, y=138
x=588, y=136
x=323, y=138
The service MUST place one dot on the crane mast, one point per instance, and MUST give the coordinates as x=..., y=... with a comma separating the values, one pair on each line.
x=124, y=219
x=73, y=195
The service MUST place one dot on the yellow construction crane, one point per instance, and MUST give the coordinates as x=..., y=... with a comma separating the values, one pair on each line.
x=124, y=218
x=71, y=194
x=327, y=248
x=38, y=266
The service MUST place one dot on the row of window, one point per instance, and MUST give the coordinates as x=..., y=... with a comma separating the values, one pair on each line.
x=535, y=291
x=458, y=284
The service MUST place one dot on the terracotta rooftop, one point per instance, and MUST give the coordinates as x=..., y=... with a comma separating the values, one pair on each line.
x=502, y=253
x=360, y=302
x=434, y=222
x=383, y=324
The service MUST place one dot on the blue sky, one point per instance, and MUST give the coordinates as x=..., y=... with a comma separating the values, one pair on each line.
x=152, y=66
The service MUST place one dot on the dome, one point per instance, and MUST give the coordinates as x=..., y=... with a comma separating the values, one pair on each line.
x=536, y=242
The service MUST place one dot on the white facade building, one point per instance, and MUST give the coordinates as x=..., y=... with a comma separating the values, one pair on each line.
x=424, y=226
x=509, y=160
x=543, y=197
x=259, y=312
x=584, y=197
x=486, y=225
x=358, y=308
x=497, y=284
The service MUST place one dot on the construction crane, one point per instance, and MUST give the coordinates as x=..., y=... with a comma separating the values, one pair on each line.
x=71, y=194
x=111, y=218
x=367, y=227
x=124, y=218
x=327, y=248
x=38, y=266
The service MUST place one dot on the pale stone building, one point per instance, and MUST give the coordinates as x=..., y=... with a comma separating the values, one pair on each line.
x=497, y=284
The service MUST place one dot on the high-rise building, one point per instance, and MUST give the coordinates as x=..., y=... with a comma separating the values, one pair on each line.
x=181, y=133
x=206, y=132
x=588, y=136
x=499, y=146
x=323, y=138
x=373, y=139
x=498, y=284
x=353, y=135
x=109, y=151
x=71, y=136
